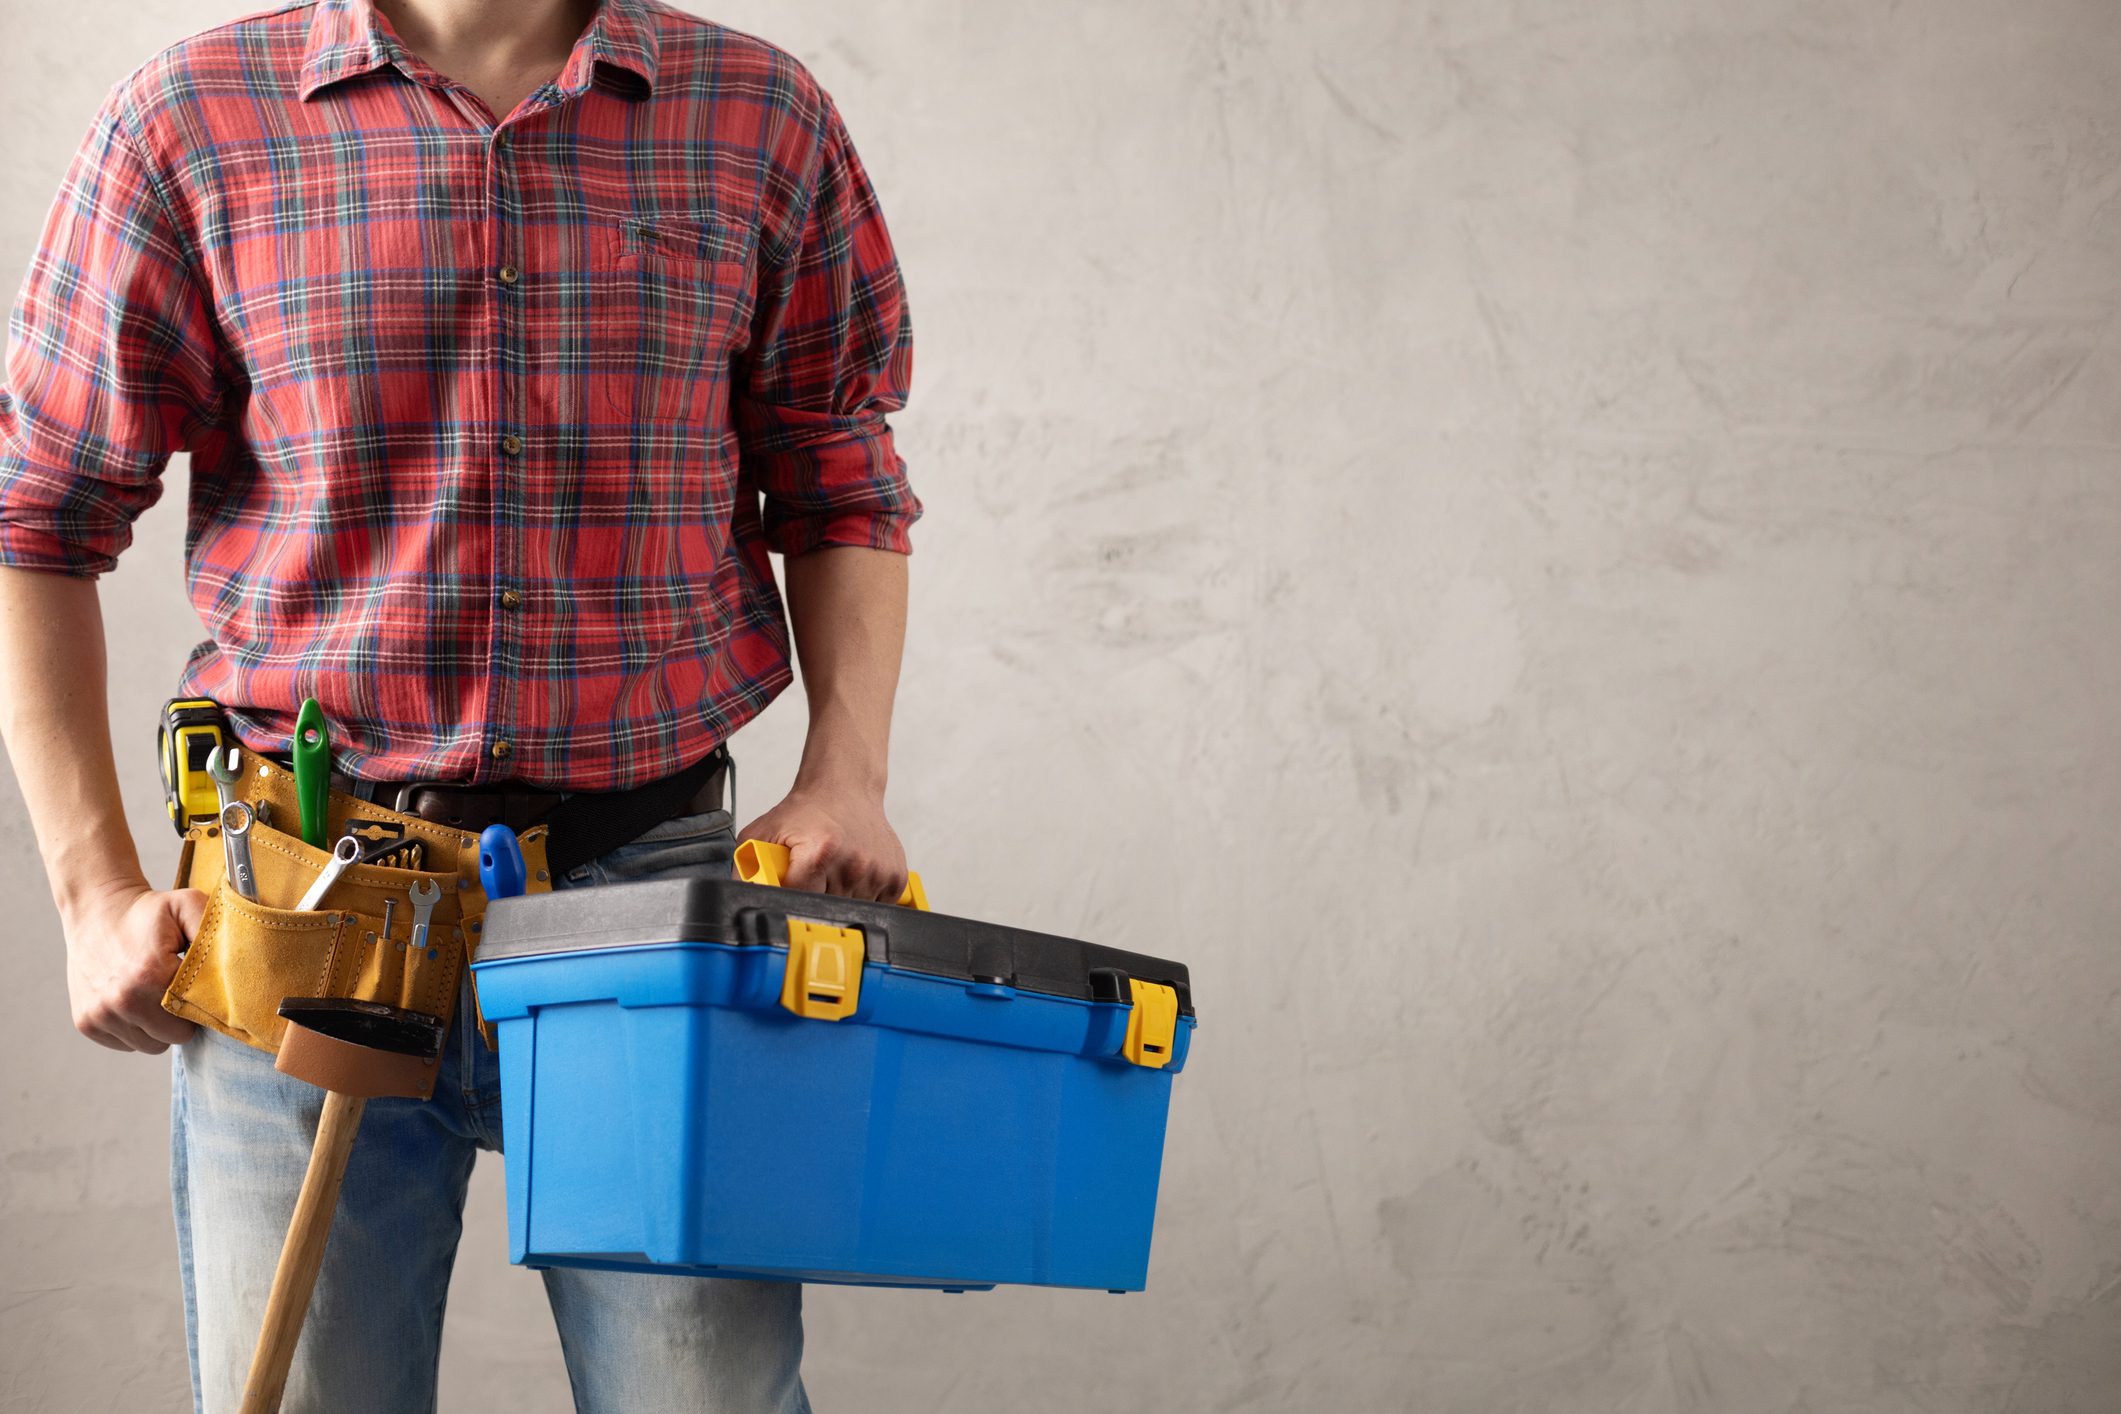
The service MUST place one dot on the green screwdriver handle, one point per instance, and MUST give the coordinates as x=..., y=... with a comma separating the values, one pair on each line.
x=312, y=758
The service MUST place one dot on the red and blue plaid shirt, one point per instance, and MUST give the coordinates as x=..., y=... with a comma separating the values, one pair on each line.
x=492, y=424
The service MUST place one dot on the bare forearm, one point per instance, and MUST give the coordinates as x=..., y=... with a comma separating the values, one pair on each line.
x=848, y=606
x=56, y=721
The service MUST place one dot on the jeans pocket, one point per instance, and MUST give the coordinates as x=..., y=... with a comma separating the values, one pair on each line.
x=702, y=844
x=687, y=827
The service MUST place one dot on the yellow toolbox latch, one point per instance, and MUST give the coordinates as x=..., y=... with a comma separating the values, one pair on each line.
x=1152, y=1024
x=824, y=976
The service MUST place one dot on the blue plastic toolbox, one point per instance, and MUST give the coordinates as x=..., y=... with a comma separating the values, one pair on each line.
x=728, y=1079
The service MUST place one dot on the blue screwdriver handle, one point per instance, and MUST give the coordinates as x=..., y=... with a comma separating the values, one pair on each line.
x=500, y=862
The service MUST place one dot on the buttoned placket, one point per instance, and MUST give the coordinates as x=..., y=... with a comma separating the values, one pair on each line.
x=514, y=441
x=503, y=249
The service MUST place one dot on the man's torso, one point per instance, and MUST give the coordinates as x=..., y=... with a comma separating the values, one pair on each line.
x=478, y=464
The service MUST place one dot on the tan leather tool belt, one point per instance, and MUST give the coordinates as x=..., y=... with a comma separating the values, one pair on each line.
x=250, y=954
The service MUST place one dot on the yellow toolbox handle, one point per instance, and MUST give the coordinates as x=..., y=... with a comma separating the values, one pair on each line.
x=763, y=862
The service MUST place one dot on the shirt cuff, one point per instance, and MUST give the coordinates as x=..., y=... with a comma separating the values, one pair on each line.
x=29, y=547
x=877, y=530
x=832, y=481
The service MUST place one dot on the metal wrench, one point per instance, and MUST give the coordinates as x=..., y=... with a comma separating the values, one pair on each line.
x=349, y=851
x=235, y=846
x=343, y=857
x=424, y=895
x=224, y=775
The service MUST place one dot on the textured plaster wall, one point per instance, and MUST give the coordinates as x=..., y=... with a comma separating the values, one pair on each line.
x=1567, y=556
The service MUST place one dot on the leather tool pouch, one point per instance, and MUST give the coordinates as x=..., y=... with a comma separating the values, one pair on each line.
x=249, y=955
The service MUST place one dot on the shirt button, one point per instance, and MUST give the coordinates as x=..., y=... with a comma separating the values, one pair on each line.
x=507, y=275
x=510, y=599
x=501, y=750
x=512, y=444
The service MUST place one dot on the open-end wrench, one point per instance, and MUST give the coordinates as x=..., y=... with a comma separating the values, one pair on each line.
x=224, y=773
x=424, y=895
x=343, y=857
x=235, y=846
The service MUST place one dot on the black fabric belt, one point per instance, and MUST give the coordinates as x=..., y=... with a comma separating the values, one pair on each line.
x=581, y=825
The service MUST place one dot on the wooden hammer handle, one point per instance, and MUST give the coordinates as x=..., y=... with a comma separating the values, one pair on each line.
x=307, y=1232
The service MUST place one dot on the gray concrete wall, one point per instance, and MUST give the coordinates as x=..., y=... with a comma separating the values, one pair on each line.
x=1566, y=554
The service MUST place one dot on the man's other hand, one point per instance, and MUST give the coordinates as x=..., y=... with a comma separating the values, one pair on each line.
x=838, y=843
x=122, y=948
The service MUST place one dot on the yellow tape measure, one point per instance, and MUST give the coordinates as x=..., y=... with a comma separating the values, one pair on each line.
x=192, y=729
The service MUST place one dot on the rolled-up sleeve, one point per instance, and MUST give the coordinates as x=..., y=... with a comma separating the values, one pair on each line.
x=831, y=354
x=111, y=364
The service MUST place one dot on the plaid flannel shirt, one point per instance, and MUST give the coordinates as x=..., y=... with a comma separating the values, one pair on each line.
x=492, y=423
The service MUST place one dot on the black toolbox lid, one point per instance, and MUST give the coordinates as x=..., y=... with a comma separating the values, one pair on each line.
x=726, y=911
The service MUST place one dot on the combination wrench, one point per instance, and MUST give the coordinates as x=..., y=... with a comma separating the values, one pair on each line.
x=225, y=774
x=344, y=856
x=235, y=846
x=349, y=851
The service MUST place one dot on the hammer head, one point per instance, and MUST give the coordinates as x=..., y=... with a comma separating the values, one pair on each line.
x=360, y=1048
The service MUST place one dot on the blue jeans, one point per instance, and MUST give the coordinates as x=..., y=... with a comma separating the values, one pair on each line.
x=239, y=1145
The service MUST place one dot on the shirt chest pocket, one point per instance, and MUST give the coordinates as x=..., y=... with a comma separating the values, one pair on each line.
x=673, y=299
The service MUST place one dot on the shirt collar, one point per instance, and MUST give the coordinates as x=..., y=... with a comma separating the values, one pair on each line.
x=348, y=37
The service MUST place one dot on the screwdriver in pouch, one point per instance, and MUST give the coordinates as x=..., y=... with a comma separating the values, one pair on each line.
x=500, y=862
x=311, y=754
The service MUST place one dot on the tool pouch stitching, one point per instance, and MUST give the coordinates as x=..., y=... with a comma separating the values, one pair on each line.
x=232, y=922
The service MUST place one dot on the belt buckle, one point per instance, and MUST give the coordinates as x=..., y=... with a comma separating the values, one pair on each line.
x=402, y=793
